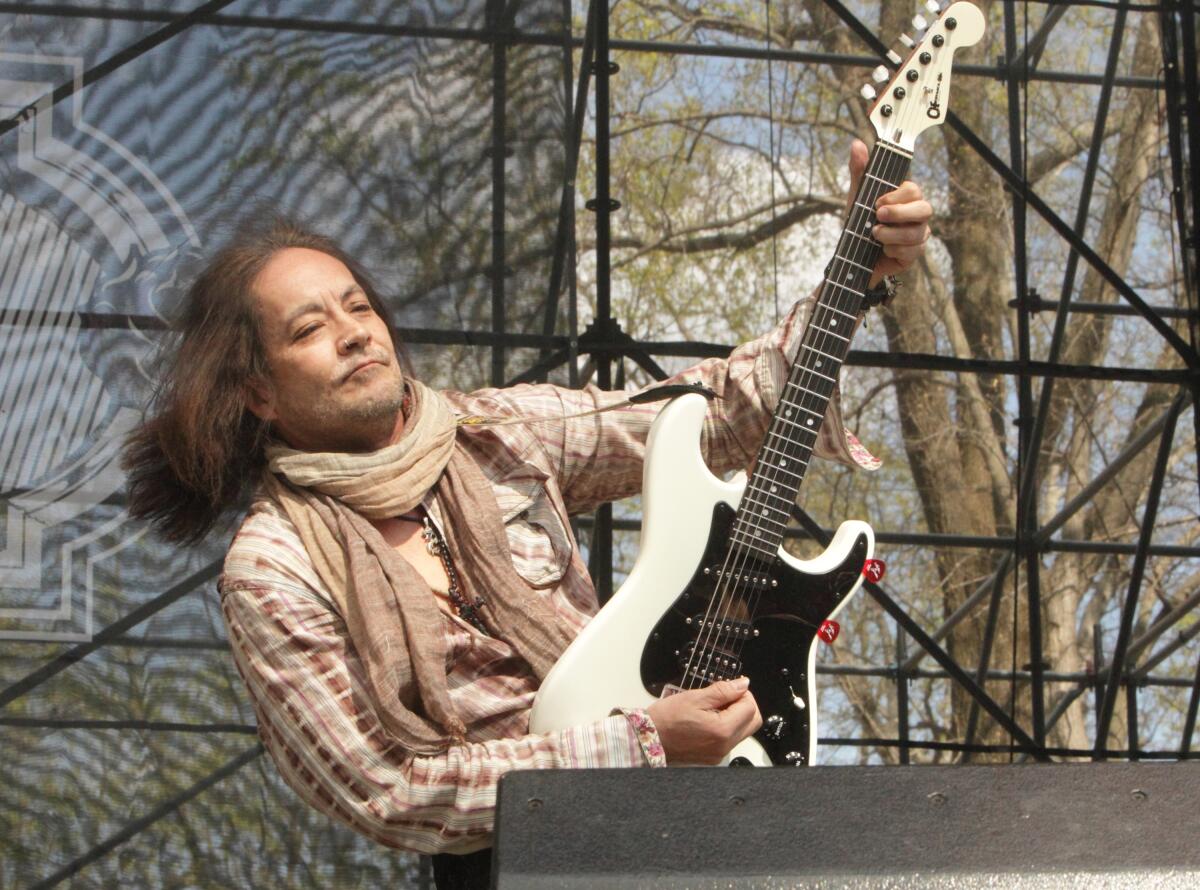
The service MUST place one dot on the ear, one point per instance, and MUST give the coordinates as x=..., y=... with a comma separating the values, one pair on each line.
x=260, y=398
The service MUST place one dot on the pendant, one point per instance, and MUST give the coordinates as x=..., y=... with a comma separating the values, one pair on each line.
x=432, y=544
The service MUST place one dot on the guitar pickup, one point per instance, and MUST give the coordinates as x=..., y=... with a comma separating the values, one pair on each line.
x=706, y=674
x=746, y=579
x=732, y=630
x=713, y=662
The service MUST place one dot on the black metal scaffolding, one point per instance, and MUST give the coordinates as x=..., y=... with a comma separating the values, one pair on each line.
x=587, y=67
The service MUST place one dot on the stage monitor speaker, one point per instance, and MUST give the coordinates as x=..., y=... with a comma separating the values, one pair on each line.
x=1046, y=826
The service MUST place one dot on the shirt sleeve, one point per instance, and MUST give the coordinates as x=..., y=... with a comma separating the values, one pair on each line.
x=308, y=691
x=599, y=457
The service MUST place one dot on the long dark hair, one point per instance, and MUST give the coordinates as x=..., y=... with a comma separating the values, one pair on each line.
x=199, y=448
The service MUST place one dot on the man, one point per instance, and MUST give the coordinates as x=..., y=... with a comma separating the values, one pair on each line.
x=403, y=582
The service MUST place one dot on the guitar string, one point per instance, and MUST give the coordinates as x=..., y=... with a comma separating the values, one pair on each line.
x=858, y=253
x=891, y=168
x=813, y=394
x=799, y=449
x=897, y=163
x=729, y=584
x=862, y=254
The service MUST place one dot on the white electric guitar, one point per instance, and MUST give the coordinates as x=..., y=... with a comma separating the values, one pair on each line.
x=712, y=594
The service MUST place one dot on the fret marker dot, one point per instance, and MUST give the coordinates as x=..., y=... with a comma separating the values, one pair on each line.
x=782, y=462
x=810, y=421
x=787, y=413
x=833, y=322
x=758, y=533
x=774, y=488
x=764, y=512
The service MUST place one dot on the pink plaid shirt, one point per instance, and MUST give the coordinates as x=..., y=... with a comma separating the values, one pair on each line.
x=307, y=683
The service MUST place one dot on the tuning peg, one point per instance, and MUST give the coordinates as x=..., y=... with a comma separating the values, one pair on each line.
x=919, y=22
x=880, y=74
x=932, y=7
x=894, y=57
x=907, y=41
x=867, y=92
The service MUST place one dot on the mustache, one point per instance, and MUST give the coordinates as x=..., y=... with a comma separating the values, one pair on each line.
x=367, y=358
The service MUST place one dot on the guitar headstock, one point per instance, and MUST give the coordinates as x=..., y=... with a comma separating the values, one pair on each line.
x=918, y=93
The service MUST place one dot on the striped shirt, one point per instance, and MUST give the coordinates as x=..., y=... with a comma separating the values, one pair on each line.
x=307, y=683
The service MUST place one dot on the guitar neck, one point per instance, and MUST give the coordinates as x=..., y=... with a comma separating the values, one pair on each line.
x=784, y=456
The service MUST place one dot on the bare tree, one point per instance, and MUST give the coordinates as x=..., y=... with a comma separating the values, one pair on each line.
x=694, y=165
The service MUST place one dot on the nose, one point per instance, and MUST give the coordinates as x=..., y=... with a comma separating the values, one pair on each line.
x=354, y=335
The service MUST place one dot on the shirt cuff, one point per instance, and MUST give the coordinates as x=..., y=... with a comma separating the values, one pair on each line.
x=646, y=733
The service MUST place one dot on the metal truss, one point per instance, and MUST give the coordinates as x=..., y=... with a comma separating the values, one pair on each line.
x=141, y=823
x=1124, y=670
x=1120, y=671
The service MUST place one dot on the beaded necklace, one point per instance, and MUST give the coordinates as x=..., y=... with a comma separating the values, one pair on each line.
x=467, y=610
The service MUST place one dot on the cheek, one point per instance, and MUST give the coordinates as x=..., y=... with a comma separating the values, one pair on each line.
x=379, y=333
x=301, y=375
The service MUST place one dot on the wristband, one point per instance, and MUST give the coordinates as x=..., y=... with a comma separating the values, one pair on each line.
x=881, y=294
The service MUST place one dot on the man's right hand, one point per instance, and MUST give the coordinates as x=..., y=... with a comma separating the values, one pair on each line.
x=701, y=726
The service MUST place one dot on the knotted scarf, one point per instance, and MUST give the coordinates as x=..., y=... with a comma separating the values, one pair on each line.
x=389, y=609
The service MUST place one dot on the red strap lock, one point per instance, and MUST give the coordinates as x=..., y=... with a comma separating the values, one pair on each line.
x=874, y=569
x=828, y=631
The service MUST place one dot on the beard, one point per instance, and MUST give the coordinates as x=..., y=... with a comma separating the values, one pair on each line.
x=354, y=422
x=375, y=411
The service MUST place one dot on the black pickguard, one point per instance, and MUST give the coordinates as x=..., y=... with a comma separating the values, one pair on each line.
x=775, y=626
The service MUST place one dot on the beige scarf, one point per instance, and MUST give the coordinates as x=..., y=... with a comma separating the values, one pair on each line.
x=390, y=612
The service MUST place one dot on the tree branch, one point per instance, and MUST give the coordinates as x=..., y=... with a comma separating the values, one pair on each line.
x=803, y=208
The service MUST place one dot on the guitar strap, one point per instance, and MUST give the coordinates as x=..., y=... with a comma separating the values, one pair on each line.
x=658, y=393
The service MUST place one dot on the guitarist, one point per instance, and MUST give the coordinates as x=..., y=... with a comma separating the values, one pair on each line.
x=402, y=583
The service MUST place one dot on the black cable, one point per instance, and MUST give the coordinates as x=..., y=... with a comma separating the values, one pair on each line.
x=771, y=152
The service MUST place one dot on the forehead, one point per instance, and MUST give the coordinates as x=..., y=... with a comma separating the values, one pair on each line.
x=297, y=275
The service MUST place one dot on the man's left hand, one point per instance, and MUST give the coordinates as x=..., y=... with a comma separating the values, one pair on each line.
x=903, y=219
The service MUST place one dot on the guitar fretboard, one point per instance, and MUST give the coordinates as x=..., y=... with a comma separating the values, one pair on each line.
x=785, y=453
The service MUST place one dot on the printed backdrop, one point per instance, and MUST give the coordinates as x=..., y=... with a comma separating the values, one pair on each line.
x=372, y=121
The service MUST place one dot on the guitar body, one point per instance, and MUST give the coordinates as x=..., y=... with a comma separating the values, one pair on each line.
x=626, y=656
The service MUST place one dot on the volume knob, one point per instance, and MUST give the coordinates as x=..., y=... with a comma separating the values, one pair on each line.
x=773, y=726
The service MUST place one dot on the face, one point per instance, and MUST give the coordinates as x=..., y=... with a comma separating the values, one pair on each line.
x=333, y=381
